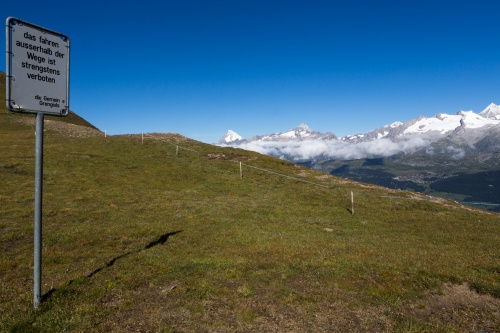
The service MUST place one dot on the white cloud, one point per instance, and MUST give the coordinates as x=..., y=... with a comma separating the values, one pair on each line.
x=335, y=149
x=456, y=153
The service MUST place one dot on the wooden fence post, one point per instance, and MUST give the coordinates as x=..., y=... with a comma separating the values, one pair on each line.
x=241, y=172
x=352, y=203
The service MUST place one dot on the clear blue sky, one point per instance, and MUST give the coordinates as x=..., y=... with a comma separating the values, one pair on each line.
x=201, y=67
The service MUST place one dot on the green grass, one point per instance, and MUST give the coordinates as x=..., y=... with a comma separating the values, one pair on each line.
x=136, y=238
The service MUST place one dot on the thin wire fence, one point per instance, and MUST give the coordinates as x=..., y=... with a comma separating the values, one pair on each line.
x=170, y=143
x=286, y=176
x=247, y=165
x=431, y=199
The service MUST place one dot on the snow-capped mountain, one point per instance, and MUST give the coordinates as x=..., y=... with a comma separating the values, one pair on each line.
x=456, y=133
x=492, y=111
x=432, y=127
x=299, y=133
x=231, y=137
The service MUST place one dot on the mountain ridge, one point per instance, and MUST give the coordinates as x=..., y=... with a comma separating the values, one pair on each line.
x=422, y=132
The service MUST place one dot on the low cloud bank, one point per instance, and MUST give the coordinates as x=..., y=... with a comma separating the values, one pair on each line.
x=335, y=149
x=454, y=153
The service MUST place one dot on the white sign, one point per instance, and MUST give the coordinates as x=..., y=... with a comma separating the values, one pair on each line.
x=37, y=69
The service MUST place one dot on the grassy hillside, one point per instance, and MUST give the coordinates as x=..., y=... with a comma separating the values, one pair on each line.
x=138, y=237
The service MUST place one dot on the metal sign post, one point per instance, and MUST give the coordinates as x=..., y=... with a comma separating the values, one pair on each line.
x=37, y=82
x=37, y=240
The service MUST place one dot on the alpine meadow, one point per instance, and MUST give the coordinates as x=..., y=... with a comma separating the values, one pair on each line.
x=161, y=233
